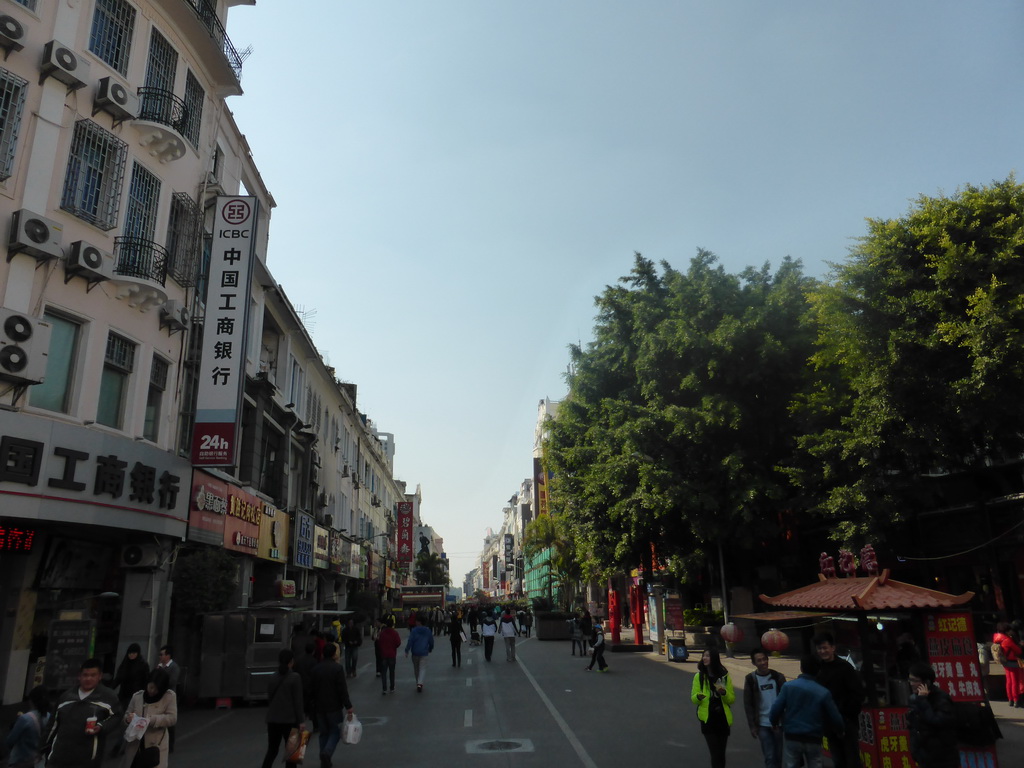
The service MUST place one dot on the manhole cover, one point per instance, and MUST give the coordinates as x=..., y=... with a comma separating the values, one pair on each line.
x=499, y=745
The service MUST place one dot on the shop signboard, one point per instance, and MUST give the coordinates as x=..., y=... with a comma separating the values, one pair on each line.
x=273, y=534
x=334, y=557
x=355, y=560
x=953, y=653
x=405, y=542
x=70, y=643
x=321, y=547
x=208, y=506
x=884, y=738
x=302, y=550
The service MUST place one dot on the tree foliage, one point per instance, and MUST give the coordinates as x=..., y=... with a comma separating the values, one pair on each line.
x=547, y=538
x=431, y=569
x=678, y=414
x=920, y=360
x=204, y=580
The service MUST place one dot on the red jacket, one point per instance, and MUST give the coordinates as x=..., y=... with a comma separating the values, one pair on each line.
x=1010, y=648
x=389, y=642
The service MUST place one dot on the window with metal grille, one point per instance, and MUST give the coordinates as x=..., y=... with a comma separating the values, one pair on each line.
x=155, y=398
x=120, y=353
x=30, y=4
x=162, y=63
x=12, y=104
x=118, y=363
x=143, y=198
x=189, y=387
x=92, y=186
x=194, y=98
x=113, y=22
x=183, y=239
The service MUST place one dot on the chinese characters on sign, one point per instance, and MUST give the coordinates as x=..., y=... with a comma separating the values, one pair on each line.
x=222, y=369
x=302, y=553
x=15, y=538
x=949, y=638
x=405, y=542
x=509, y=552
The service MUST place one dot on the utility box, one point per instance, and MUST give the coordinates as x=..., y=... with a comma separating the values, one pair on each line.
x=677, y=649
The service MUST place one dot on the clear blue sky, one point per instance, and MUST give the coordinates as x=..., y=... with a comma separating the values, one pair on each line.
x=456, y=180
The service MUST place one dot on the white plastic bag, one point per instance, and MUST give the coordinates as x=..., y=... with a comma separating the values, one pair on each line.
x=136, y=728
x=352, y=730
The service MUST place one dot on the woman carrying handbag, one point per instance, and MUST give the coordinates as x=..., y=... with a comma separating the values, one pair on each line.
x=284, y=707
x=159, y=705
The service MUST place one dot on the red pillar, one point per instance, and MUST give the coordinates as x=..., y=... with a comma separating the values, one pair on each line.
x=638, y=614
x=614, y=614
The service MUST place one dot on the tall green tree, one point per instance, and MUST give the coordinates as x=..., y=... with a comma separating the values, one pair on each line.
x=920, y=362
x=546, y=537
x=678, y=415
x=431, y=569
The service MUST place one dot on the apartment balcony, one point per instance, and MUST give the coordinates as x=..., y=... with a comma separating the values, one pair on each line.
x=200, y=24
x=140, y=272
x=162, y=122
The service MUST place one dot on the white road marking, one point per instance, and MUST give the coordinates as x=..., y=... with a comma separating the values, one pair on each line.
x=469, y=682
x=576, y=744
x=467, y=721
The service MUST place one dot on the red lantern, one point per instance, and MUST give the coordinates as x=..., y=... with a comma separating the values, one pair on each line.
x=775, y=640
x=731, y=633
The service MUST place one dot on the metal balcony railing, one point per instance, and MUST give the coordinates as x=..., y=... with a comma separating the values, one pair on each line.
x=163, y=107
x=139, y=257
x=207, y=14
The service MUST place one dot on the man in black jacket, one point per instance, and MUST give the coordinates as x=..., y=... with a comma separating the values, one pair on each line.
x=843, y=681
x=760, y=689
x=330, y=695
x=84, y=714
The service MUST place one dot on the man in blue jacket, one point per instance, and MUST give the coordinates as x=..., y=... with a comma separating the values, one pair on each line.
x=804, y=707
x=420, y=643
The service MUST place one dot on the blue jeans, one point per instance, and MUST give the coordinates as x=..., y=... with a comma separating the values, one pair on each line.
x=771, y=746
x=797, y=751
x=330, y=731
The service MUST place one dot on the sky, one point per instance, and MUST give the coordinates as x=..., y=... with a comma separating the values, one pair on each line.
x=456, y=180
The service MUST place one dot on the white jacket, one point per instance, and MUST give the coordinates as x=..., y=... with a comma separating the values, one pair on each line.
x=488, y=629
x=508, y=628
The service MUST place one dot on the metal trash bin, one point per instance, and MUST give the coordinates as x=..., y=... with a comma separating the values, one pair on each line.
x=677, y=649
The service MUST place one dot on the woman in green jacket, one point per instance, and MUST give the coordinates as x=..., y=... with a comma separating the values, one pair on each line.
x=713, y=694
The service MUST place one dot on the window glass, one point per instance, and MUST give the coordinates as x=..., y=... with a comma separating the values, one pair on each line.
x=113, y=22
x=92, y=186
x=12, y=104
x=54, y=393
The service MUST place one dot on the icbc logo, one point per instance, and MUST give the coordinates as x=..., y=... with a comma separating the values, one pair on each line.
x=236, y=212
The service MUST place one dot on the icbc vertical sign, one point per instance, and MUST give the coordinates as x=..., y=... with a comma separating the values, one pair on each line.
x=222, y=368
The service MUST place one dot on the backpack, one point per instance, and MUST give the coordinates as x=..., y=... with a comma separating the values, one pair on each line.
x=999, y=655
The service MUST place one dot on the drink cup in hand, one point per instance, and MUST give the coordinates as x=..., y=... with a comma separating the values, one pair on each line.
x=91, y=725
x=720, y=688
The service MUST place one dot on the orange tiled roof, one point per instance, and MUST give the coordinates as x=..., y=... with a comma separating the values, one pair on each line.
x=865, y=593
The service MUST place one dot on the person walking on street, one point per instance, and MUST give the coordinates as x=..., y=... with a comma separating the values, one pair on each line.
x=420, y=643
x=1006, y=650
x=455, y=636
x=25, y=740
x=388, y=644
x=131, y=676
x=330, y=692
x=575, y=635
x=284, y=705
x=806, y=710
x=375, y=629
x=586, y=627
x=527, y=624
x=159, y=705
x=597, y=648
x=168, y=663
x=352, y=638
x=713, y=694
x=488, y=629
x=508, y=630
x=760, y=689
x=84, y=716
x=847, y=689
x=931, y=720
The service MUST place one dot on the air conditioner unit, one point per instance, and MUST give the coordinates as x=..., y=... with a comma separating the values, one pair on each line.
x=24, y=346
x=88, y=261
x=175, y=315
x=140, y=556
x=114, y=98
x=35, y=235
x=62, y=63
x=12, y=34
